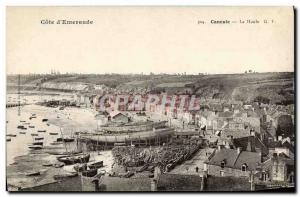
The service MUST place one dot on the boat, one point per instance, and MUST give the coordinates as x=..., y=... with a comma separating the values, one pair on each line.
x=37, y=143
x=33, y=173
x=24, y=128
x=53, y=133
x=63, y=153
x=96, y=165
x=80, y=167
x=20, y=126
x=65, y=176
x=61, y=108
x=39, y=138
x=22, y=121
x=44, y=120
x=69, y=160
x=41, y=131
x=11, y=135
x=68, y=139
x=55, y=143
x=35, y=147
x=59, y=139
x=34, y=134
x=58, y=165
x=21, y=132
x=31, y=126
x=89, y=173
x=8, y=139
x=47, y=164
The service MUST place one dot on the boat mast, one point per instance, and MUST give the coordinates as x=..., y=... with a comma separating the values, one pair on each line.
x=62, y=136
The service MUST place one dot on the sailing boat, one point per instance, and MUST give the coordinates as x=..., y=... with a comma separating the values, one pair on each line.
x=71, y=158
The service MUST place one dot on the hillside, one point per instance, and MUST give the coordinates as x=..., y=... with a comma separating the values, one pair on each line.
x=277, y=87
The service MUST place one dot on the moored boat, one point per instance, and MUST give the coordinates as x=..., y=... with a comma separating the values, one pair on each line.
x=34, y=134
x=47, y=164
x=37, y=143
x=8, y=139
x=55, y=143
x=41, y=131
x=96, y=165
x=52, y=133
x=39, y=138
x=35, y=147
x=58, y=165
x=11, y=135
x=80, y=167
x=44, y=120
x=37, y=173
x=64, y=176
x=89, y=173
x=69, y=160
x=68, y=139
x=22, y=132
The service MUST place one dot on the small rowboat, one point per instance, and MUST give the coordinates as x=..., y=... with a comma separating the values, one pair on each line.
x=37, y=143
x=96, y=165
x=35, y=147
x=8, y=139
x=53, y=133
x=69, y=160
x=64, y=176
x=89, y=173
x=11, y=135
x=31, y=126
x=55, y=143
x=41, y=131
x=39, y=138
x=34, y=134
x=33, y=173
x=80, y=167
x=44, y=120
x=68, y=139
x=21, y=132
x=47, y=164
x=58, y=165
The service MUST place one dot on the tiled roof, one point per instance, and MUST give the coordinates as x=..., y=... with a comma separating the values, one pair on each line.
x=233, y=159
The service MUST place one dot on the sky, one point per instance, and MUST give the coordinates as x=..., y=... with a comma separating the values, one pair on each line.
x=149, y=39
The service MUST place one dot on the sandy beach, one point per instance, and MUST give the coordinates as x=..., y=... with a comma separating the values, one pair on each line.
x=21, y=160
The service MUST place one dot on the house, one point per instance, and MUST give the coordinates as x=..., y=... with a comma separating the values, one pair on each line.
x=232, y=162
x=251, y=144
x=283, y=168
x=119, y=118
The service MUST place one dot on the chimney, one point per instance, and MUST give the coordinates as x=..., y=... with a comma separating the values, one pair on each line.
x=239, y=150
x=153, y=185
x=203, y=181
x=219, y=147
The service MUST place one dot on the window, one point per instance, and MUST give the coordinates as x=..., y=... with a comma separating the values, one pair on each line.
x=223, y=164
x=221, y=173
x=244, y=167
